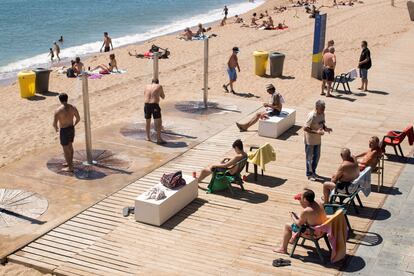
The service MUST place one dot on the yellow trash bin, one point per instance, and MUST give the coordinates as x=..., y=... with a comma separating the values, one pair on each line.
x=260, y=62
x=27, y=80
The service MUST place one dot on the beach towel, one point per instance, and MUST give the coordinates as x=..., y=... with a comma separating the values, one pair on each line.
x=336, y=229
x=95, y=76
x=120, y=71
x=353, y=74
x=410, y=135
x=262, y=156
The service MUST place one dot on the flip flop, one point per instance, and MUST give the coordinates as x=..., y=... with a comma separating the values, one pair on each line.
x=240, y=128
x=127, y=210
x=225, y=88
x=281, y=262
x=161, y=142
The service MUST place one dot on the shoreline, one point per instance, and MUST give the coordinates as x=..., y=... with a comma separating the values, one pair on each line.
x=8, y=80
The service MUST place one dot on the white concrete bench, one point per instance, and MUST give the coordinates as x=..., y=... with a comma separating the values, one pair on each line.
x=276, y=125
x=156, y=212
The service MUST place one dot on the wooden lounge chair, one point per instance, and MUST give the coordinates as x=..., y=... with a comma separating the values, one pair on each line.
x=394, y=138
x=223, y=180
x=308, y=233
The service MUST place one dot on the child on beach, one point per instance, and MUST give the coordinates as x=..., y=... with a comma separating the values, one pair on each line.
x=51, y=54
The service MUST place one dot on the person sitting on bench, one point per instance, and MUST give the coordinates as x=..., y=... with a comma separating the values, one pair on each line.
x=370, y=158
x=226, y=163
x=272, y=109
x=347, y=172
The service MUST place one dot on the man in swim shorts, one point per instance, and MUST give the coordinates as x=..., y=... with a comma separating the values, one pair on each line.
x=328, y=73
x=232, y=64
x=107, y=42
x=152, y=94
x=347, y=172
x=63, y=122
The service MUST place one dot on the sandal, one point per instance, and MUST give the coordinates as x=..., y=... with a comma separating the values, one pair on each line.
x=281, y=262
x=225, y=88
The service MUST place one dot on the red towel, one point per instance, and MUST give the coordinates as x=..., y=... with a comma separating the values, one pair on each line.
x=409, y=131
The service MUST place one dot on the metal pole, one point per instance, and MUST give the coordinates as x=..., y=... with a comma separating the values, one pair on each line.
x=205, y=96
x=88, y=137
x=155, y=66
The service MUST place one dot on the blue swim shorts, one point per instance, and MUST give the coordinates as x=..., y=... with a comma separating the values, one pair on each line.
x=363, y=73
x=232, y=74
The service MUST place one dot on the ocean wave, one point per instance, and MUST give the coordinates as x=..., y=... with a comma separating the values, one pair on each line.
x=70, y=53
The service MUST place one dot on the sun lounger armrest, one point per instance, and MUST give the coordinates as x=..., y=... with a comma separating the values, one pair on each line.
x=254, y=147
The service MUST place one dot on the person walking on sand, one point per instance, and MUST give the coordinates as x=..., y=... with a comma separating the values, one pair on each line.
x=152, y=94
x=364, y=65
x=314, y=128
x=225, y=11
x=56, y=48
x=51, y=54
x=328, y=73
x=107, y=43
x=232, y=64
x=63, y=122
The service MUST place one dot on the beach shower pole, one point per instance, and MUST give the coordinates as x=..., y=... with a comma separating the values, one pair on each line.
x=88, y=137
x=155, y=65
x=205, y=95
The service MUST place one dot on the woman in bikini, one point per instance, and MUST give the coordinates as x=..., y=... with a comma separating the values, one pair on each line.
x=112, y=65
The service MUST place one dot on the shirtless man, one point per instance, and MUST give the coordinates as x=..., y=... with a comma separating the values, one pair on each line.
x=56, y=48
x=312, y=214
x=347, y=172
x=226, y=163
x=63, y=122
x=370, y=158
x=152, y=94
x=78, y=66
x=107, y=42
x=187, y=34
x=232, y=64
x=328, y=73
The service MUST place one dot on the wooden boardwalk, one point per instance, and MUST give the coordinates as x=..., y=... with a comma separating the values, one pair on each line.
x=216, y=234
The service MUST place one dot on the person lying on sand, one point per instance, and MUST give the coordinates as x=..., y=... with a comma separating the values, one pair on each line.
x=228, y=163
x=112, y=65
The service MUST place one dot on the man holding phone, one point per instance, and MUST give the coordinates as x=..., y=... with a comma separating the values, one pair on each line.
x=312, y=214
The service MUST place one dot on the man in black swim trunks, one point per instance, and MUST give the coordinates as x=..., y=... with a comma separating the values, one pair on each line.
x=347, y=172
x=107, y=42
x=152, y=94
x=328, y=73
x=63, y=122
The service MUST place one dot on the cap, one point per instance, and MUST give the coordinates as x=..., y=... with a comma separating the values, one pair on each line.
x=236, y=49
x=298, y=196
x=270, y=86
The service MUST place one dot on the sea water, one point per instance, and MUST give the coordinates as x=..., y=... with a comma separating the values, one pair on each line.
x=29, y=27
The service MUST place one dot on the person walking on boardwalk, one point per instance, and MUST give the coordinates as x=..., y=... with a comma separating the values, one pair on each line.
x=314, y=128
x=152, y=94
x=107, y=43
x=364, y=65
x=63, y=122
x=232, y=64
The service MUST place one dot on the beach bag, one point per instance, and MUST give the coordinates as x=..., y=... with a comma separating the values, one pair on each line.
x=154, y=49
x=70, y=73
x=173, y=180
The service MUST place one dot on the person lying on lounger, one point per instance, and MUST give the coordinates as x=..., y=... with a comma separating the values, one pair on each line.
x=312, y=214
x=226, y=163
x=347, y=172
x=273, y=108
x=107, y=69
x=371, y=157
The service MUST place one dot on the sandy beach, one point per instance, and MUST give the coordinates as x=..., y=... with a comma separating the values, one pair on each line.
x=26, y=125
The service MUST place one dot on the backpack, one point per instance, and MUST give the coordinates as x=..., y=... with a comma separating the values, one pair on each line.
x=173, y=180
